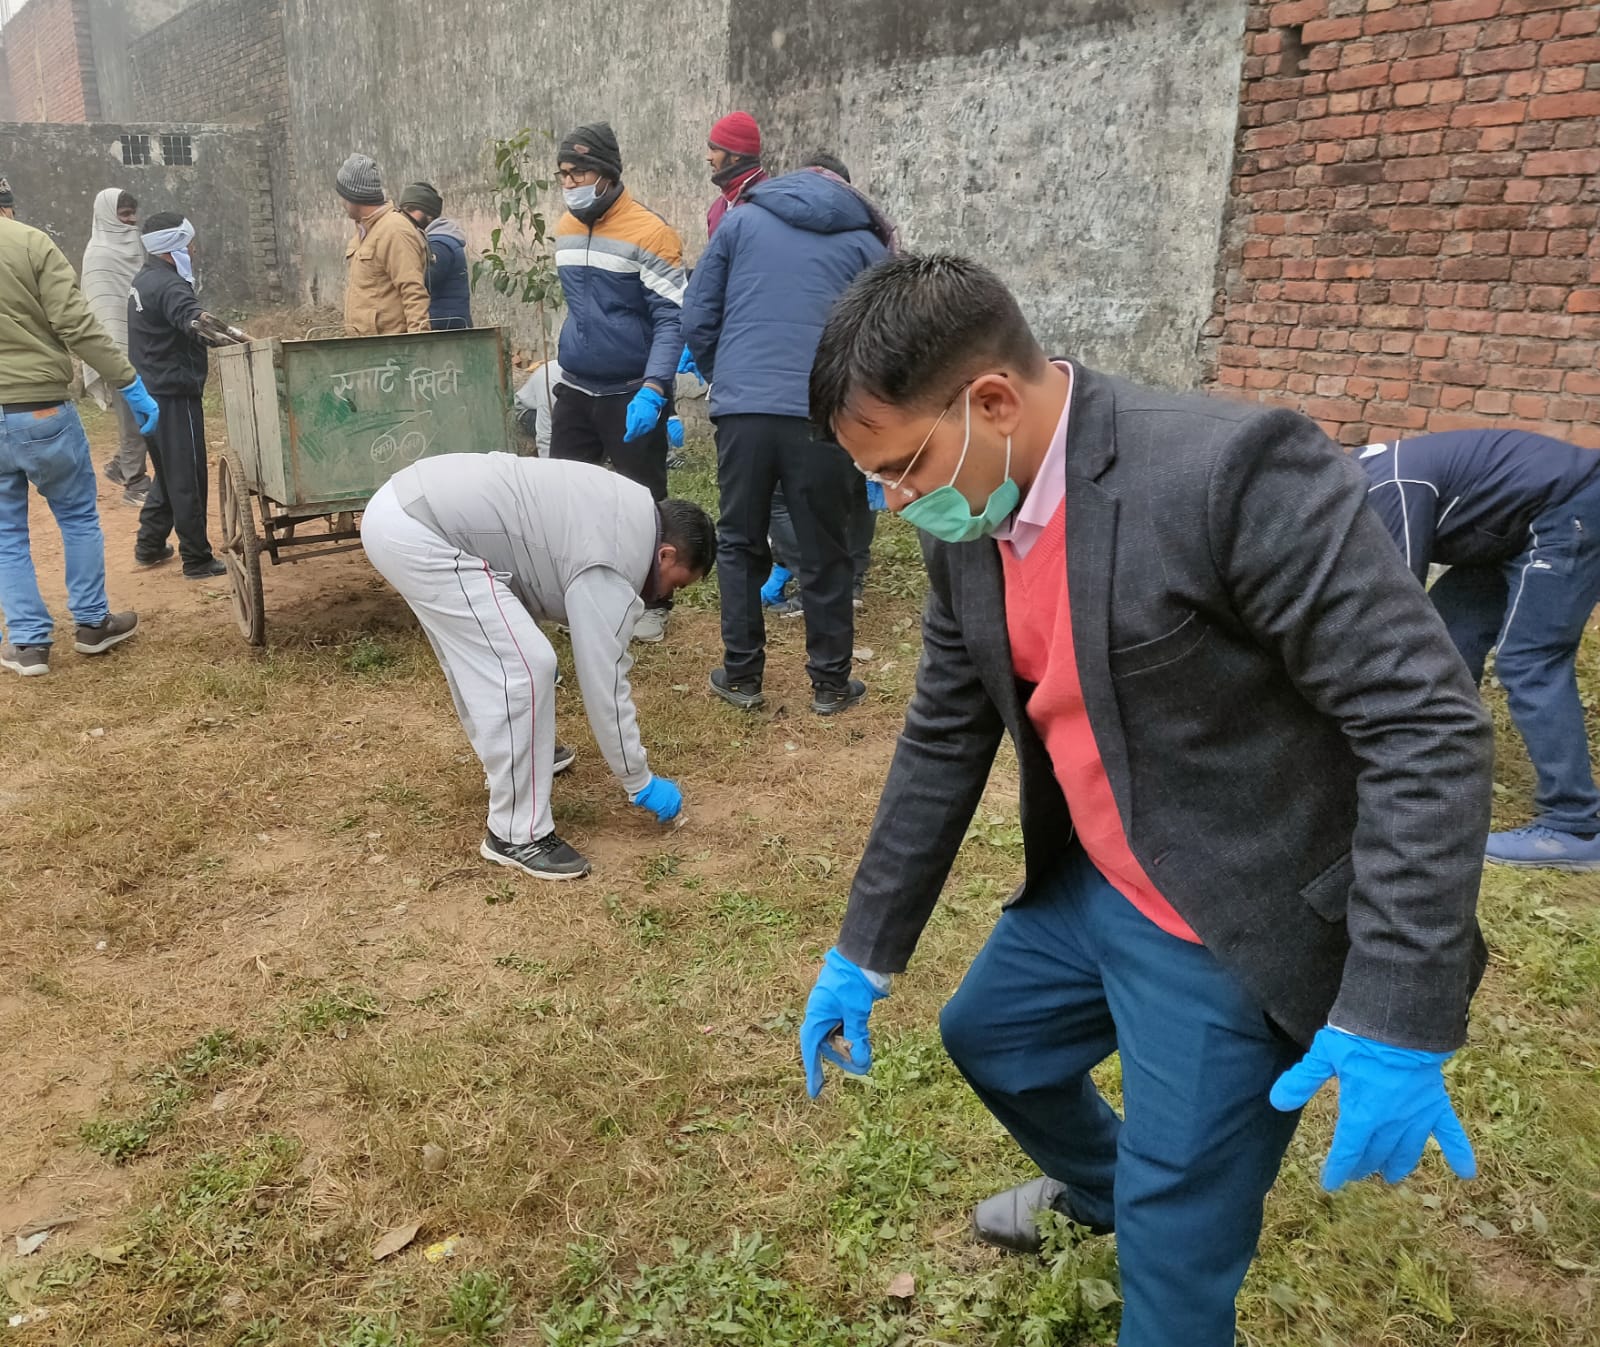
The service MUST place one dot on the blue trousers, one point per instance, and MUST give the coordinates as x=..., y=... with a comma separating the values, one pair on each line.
x=48, y=449
x=1531, y=611
x=1072, y=974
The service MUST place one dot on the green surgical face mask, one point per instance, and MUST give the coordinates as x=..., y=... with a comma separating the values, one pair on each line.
x=945, y=513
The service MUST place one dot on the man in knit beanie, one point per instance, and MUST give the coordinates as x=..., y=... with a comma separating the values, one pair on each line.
x=621, y=269
x=386, y=291
x=733, y=154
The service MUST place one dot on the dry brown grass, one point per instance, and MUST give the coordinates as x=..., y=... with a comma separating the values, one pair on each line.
x=282, y=846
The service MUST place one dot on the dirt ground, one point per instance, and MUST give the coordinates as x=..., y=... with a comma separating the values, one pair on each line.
x=261, y=1002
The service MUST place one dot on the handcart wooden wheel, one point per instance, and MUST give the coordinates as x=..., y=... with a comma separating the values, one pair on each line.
x=241, y=550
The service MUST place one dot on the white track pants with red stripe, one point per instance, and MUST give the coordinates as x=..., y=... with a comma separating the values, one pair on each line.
x=500, y=667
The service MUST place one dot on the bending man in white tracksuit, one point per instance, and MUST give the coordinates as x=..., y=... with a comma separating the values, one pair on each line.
x=484, y=547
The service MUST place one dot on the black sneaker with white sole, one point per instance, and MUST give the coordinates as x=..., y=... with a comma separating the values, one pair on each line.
x=546, y=857
x=30, y=661
x=565, y=757
x=114, y=630
x=826, y=701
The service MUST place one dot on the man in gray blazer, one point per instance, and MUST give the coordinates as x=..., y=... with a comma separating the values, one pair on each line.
x=1255, y=783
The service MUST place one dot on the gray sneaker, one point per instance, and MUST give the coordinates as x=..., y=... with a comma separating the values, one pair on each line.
x=826, y=701
x=114, y=630
x=31, y=661
x=546, y=857
x=747, y=696
x=564, y=758
x=136, y=496
x=651, y=626
x=793, y=606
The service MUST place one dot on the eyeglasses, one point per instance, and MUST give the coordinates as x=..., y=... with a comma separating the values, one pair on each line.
x=878, y=479
x=576, y=177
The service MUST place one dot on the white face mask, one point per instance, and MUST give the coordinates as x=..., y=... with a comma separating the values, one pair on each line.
x=581, y=198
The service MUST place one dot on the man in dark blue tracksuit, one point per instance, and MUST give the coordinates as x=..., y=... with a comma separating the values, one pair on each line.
x=1516, y=517
x=752, y=317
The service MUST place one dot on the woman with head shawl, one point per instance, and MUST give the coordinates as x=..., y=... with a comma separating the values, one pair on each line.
x=110, y=263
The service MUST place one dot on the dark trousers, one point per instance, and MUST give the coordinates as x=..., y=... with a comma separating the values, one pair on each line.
x=179, y=495
x=863, y=526
x=756, y=453
x=1531, y=611
x=1072, y=974
x=590, y=430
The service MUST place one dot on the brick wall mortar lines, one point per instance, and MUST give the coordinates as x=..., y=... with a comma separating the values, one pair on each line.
x=1412, y=241
x=225, y=61
x=49, y=62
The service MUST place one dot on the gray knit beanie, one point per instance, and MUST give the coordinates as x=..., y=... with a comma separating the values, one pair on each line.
x=358, y=181
x=6, y=198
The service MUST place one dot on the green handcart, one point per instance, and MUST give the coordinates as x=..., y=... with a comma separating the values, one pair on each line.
x=315, y=427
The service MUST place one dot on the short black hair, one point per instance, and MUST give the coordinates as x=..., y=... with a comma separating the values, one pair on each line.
x=688, y=530
x=162, y=219
x=910, y=329
x=831, y=162
x=127, y=201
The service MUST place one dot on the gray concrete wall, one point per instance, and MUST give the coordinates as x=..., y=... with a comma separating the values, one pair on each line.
x=57, y=170
x=422, y=89
x=1081, y=147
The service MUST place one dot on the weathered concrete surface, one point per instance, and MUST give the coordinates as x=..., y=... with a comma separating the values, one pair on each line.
x=423, y=86
x=1081, y=147
x=57, y=170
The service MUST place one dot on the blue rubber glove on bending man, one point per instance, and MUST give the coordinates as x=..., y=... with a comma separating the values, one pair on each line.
x=662, y=798
x=772, y=591
x=1391, y=1100
x=142, y=405
x=643, y=413
x=839, y=1004
x=686, y=365
x=675, y=432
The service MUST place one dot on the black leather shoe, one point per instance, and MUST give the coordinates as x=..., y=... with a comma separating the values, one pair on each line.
x=1006, y=1220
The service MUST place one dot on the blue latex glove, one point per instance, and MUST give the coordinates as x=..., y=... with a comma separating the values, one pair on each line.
x=686, y=365
x=875, y=497
x=839, y=1003
x=675, y=431
x=643, y=413
x=662, y=798
x=142, y=405
x=1391, y=1100
x=772, y=591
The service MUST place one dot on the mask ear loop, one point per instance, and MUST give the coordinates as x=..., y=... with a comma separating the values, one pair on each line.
x=966, y=442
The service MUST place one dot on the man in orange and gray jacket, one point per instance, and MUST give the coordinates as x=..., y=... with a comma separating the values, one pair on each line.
x=386, y=291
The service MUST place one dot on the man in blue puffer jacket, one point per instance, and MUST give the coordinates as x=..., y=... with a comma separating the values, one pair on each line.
x=752, y=317
x=449, y=280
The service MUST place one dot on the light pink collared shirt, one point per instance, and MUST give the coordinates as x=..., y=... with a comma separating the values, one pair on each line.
x=1049, y=487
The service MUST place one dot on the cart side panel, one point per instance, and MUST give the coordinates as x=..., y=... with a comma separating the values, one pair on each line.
x=266, y=365
x=238, y=405
x=360, y=409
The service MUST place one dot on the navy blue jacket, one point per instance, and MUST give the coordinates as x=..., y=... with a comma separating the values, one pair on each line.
x=449, y=286
x=1467, y=497
x=761, y=293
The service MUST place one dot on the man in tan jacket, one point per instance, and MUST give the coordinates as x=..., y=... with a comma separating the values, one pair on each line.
x=386, y=291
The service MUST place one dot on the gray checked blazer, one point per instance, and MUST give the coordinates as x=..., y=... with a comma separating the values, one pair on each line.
x=1300, y=760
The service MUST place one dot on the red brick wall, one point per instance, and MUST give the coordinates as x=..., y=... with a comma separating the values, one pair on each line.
x=1412, y=241
x=49, y=59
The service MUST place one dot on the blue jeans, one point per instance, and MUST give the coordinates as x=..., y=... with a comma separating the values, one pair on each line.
x=1531, y=611
x=49, y=449
x=1072, y=974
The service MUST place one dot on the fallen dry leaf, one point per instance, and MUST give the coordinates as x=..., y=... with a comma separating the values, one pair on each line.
x=395, y=1240
x=433, y=1158
x=26, y=1244
x=902, y=1286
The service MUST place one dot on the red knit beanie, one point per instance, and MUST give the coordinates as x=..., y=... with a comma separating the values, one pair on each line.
x=737, y=133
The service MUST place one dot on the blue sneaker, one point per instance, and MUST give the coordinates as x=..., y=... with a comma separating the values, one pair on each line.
x=1541, y=848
